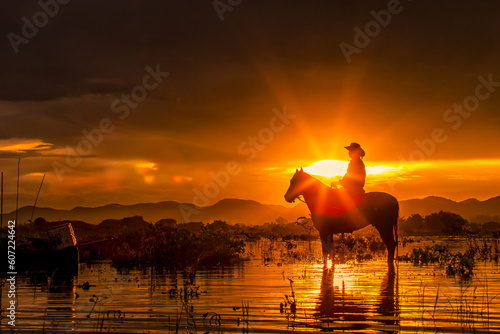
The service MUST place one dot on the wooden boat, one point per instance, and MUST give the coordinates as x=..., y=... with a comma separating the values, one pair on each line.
x=56, y=254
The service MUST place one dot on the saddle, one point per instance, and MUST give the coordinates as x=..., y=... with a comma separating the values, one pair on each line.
x=337, y=202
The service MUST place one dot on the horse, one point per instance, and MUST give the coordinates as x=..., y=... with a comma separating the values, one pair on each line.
x=333, y=211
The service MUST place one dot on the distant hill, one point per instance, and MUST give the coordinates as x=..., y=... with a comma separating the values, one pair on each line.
x=467, y=209
x=230, y=210
x=84, y=232
x=242, y=211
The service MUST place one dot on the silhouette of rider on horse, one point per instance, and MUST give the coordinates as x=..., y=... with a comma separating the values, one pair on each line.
x=347, y=209
x=354, y=179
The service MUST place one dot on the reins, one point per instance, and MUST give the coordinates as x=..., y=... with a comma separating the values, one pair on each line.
x=301, y=199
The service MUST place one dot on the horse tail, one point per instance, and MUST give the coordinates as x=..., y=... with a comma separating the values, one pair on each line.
x=396, y=234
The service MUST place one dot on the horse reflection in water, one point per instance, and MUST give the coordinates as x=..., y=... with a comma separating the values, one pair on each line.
x=333, y=212
x=338, y=309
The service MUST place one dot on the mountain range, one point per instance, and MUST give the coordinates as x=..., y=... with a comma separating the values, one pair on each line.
x=241, y=211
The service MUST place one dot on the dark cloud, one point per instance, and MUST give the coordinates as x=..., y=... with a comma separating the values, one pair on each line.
x=103, y=47
x=226, y=77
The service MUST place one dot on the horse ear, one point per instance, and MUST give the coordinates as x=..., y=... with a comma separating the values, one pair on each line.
x=301, y=169
x=296, y=170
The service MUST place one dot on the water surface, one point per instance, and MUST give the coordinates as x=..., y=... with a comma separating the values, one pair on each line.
x=354, y=297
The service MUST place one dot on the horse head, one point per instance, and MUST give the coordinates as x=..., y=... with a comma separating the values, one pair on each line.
x=299, y=182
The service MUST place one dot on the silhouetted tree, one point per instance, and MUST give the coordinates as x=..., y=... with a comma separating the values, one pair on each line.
x=412, y=224
x=481, y=219
x=166, y=222
x=490, y=227
x=40, y=221
x=281, y=221
x=218, y=225
x=453, y=223
x=445, y=222
x=308, y=225
x=472, y=228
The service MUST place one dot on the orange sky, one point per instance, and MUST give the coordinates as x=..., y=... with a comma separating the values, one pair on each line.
x=247, y=103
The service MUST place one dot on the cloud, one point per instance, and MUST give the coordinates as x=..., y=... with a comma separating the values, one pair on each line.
x=23, y=145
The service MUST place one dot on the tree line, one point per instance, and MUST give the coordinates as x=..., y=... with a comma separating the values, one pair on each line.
x=445, y=223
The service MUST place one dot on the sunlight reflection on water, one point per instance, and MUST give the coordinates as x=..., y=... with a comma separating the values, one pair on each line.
x=246, y=298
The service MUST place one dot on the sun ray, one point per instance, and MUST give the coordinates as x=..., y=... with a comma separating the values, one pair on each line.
x=337, y=168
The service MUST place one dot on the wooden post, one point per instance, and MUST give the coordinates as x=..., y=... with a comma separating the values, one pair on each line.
x=1, y=203
x=36, y=199
x=17, y=191
x=1, y=233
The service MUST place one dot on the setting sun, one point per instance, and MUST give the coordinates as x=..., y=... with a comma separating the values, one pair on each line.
x=334, y=168
x=327, y=168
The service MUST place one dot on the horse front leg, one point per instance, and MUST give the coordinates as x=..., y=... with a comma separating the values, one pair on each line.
x=328, y=248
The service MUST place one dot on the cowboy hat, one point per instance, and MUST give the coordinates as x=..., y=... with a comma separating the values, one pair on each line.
x=355, y=147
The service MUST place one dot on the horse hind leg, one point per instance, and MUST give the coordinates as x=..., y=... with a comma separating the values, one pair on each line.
x=387, y=235
x=327, y=247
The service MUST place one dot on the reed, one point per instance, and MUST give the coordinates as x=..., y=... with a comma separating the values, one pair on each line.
x=214, y=321
x=289, y=304
x=174, y=248
x=245, y=311
x=456, y=264
x=470, y=308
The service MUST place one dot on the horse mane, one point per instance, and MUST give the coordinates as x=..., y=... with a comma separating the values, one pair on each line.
x=316, y=180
